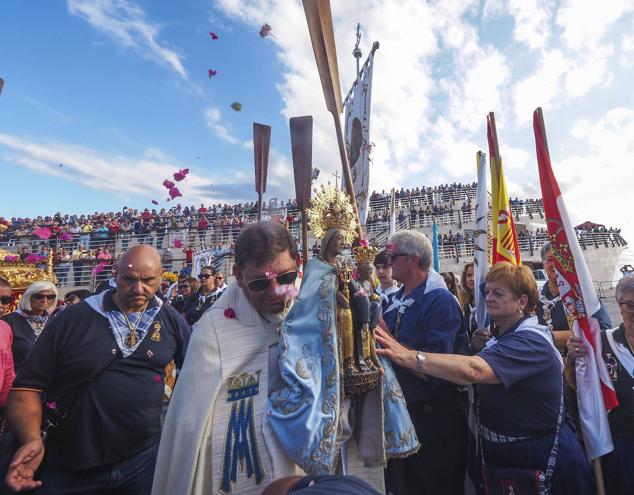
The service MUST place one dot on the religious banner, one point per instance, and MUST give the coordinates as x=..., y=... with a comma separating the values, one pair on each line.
x=200, y=259
x=357, y=135
x=505, y=246
x=481, y=245
x=595, y=391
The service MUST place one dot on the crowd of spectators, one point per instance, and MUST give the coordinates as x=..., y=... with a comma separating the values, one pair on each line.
x=79, y=242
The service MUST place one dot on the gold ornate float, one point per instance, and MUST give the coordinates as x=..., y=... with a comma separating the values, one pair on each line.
x=21, y=274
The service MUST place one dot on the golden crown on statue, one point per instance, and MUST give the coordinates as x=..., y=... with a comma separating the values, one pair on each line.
x=365, y=254
x=331, y=208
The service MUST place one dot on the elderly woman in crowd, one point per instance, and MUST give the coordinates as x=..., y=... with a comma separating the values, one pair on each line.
x=550, y=310
x=618, y=354
x=28, y=321
x=520, y=404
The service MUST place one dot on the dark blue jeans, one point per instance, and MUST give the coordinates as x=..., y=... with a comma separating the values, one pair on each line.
x=131, y=476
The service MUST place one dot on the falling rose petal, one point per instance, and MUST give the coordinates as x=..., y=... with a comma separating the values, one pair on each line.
x=154, y=202
x=265, y=31
x=43, y=232
x=65, y=236
x=213, y=35
x=237, y=106
x=178, y=176
x=178, y=243
x=99, y=268
x=212, y=73
x=175, y=193
x=168, y=184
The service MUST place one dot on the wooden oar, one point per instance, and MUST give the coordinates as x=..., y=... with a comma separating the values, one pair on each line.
x=261, y=143
x=319, y=18
x=302, y=149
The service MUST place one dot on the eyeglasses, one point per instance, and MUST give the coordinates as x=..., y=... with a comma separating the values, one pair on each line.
x=394, y=256
x=261, y=284
x=6, y=299
x=41, y=297
x=205, y=276
x=627, y=307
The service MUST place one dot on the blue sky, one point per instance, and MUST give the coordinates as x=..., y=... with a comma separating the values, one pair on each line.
x=117, y=92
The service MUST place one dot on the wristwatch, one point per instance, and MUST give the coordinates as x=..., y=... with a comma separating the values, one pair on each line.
x=420, y=361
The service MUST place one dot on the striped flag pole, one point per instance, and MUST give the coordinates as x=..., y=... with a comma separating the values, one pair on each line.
x=435, y=244
x=595, y=391
x=505, y=246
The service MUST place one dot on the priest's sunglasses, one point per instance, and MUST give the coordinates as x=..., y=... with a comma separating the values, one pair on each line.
x=261, y=284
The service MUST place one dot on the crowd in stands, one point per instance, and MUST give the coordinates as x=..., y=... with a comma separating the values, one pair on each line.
x=81, y=241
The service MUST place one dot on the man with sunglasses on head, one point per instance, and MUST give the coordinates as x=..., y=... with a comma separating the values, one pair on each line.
x=216, y=434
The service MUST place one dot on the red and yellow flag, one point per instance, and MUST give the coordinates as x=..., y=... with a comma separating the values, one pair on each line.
x=504, y=246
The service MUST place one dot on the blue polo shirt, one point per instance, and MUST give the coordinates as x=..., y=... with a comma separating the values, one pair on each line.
x=117, y=415
x=526, y=403
x=433, y=323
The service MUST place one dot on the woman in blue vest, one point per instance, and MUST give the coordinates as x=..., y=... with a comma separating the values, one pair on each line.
x=524, y=435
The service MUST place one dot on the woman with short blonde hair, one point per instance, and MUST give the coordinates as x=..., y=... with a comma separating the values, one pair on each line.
x=29, y=320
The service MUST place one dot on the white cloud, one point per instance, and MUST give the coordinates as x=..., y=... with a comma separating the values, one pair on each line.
x=121, y=175
x=213, y=119
x=126, y=23
x=597, y=185
x=586, y=22
x=532, y=22
x=542, y=87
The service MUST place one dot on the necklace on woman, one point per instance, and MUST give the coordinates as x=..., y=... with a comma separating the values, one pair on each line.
x=548, y=305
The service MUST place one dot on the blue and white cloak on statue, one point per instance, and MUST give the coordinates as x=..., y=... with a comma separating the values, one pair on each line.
x=305, y=413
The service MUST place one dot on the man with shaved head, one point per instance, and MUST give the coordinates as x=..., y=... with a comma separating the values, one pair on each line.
x=100, y=369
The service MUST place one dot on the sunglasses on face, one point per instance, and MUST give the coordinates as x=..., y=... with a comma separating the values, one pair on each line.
x=6, y=299
x=219, y=278
x=261, y=284
x=205, y=276
x=394, y=256
x=41, y=297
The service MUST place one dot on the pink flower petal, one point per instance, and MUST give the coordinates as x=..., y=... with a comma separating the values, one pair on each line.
x=212, y=73
x=168, y=184
x=154, y=202
x=177, y=243
x=174, y=192
x=213, y=35
x=43, y=232
x=99, y=268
